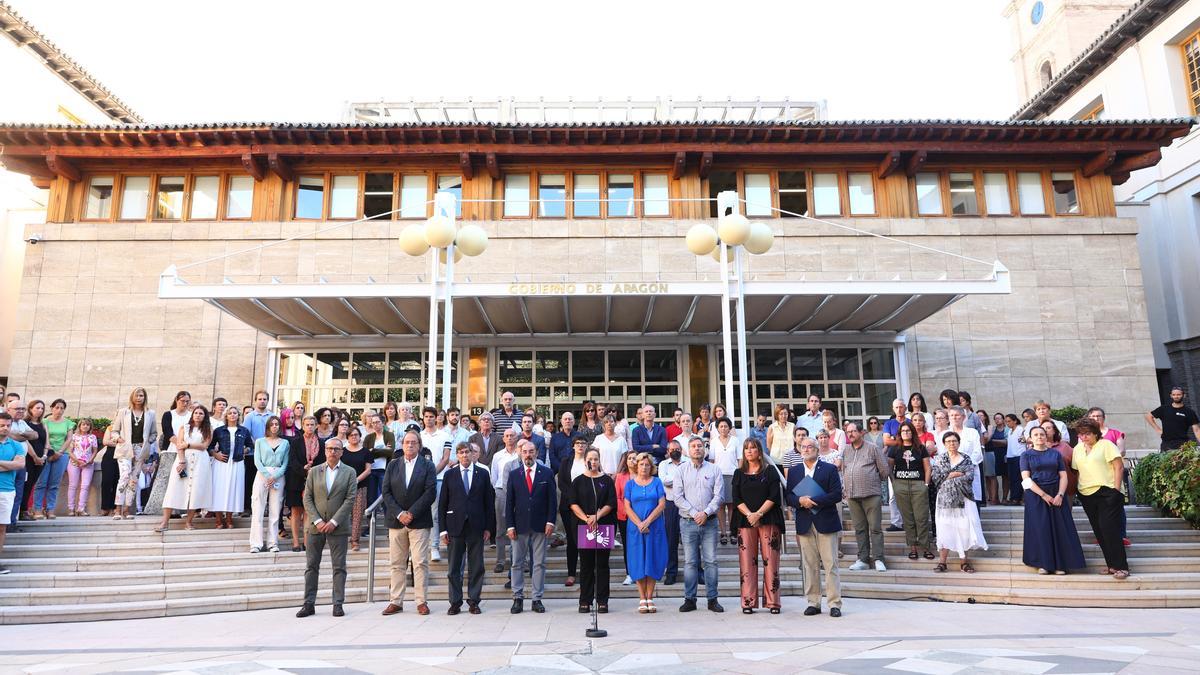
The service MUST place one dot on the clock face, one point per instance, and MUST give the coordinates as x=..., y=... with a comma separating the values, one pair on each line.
x=1035, y=15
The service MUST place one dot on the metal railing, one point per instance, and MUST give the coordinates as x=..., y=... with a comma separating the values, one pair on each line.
x=370, y=513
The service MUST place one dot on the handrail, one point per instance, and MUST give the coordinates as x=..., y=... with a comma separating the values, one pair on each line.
x=370, y=513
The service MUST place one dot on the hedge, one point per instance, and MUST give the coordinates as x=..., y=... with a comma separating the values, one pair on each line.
x=1171, y=482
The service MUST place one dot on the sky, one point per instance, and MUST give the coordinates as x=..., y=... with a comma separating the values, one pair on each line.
x=302, y=60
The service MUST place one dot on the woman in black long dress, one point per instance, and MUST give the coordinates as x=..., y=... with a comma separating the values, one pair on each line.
x=594, y=502
x=1051, y=543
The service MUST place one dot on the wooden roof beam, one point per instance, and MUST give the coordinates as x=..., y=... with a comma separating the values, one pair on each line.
x=915, y=162
x=62, y=167
x=280, y=167
x=706, y=162
x=1135, y=162
x=493, y=167
x=1099, y=163
x=679, y=165
x=890, y=164
x=464, y=165
x=27, y=166
x=254, y=166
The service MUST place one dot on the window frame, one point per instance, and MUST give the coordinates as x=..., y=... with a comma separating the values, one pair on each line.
x=113, y=199
x=535, y=175
x=1013, y=194
x=843, y=185
x=1193, y=88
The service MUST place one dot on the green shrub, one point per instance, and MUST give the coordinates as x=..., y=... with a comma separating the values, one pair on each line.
x=1068, y=414
x=1171, y=482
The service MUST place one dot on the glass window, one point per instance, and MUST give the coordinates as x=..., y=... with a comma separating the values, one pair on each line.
x=414, y=193
x=878, y=364
x=995, y=194
x=205, y=192
x=770, y=364
x=516, y=194
x=405, y=368
x=369, y=368
x=453, y=185
x=620, y=196
x=1066, y=199
x=1029, y=193
x=624, y=366
x=718, y=182
x=1191, y=71
x=963, y=200
x=929, y=194
x=793, y=193
x=99, y=198
x=332, y=369
x=587, y=366
x=862, y=193
x=516, y=367
x=551, y=367
x=310, y=197
x=656, y=191
x=168, y=202
x=240, y=198
x=878, y=397
x=552, y=195
x=587, y=195
x=135, y=197
x=343, y=200
x=758, y=194
x=806, y=364
x=841, y=364
x=660, y=367
x=827, y=197
x=378, y=190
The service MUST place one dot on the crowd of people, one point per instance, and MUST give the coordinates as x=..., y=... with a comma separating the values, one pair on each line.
x=515, y=483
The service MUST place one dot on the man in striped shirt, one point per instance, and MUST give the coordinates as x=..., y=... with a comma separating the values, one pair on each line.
x=508, y=415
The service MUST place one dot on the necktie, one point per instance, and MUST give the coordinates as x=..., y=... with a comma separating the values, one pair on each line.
x=467, y=479
x=529, y=479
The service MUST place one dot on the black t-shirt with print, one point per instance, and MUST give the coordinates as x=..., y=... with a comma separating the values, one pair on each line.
x=908, y=463
x=1175, y=422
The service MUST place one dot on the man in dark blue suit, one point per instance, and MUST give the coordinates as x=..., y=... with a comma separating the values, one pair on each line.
x=530, y=515
x=467, y=513
x=817, y=527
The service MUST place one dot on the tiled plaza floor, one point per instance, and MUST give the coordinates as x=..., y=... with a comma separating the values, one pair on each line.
x=872, y=637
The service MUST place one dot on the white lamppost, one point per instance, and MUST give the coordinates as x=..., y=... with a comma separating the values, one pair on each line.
x=737, y=232
x=452, y=242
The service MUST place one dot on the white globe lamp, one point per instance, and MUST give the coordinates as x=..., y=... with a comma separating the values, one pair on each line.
x=412, y=240
x=439, y=231
x=701, y=239
x=734, y=229
x=761, y=238
x=472, y=240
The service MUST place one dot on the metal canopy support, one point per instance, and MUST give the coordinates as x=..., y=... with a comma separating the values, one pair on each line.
x=691, y=314
x=487, y=320
x=778, y=306
x=849, y=316
x=360, y=317
x=400, y=315
x=566, y=314
x=649, y=315
x=525, y=313
x=316, y=315
x=259, y=304
x=893, y=314
x=811, y=316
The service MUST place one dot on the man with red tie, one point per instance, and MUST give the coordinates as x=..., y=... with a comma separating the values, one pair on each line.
x=530, y=514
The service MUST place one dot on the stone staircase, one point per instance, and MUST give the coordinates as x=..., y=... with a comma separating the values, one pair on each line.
x=81, y=569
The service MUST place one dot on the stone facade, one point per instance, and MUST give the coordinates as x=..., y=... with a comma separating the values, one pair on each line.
x=1074, y=330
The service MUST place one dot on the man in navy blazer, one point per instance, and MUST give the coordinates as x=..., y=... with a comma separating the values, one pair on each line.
x=531, y=507
x=817, y=527
x=467, y=514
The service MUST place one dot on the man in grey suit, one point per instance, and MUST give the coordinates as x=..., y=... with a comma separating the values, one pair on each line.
x=328, y=500
x=409, y=490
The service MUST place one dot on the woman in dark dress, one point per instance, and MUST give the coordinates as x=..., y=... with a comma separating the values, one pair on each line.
x=758, y=520
x=1051, y=542
x=593, y=500
x=570, y=468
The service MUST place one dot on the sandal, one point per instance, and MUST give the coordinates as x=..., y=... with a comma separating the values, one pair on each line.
x=1107, y=571
x=912, y=555
x=941, y=567
x=724, y=539
x=642, y=609
x=747, y=610
x=929, y=555
x=1121, y=574
x=775, y=610
x=650, y=606
x=570, y=581
x=966, y=567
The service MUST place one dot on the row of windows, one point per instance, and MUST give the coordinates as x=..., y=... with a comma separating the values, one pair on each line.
x=169, y=197
x=590, y=194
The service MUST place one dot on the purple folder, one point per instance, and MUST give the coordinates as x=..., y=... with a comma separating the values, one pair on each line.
x=601, y=537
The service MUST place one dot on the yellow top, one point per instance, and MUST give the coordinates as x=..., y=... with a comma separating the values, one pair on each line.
x=783, y=439
x=1095, y=467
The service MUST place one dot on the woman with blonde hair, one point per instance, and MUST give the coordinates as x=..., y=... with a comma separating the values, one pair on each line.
x=781, y=434
x=645, y=501
x=134, y=434
x=82, y=450
x=230, y=442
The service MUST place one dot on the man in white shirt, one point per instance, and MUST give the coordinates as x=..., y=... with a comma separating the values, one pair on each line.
x=667, y=470
x=812, y=418
x=439, y=445
x=502, y=462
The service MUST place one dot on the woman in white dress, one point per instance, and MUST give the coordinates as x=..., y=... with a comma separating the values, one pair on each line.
x=611, y=446
x=230, y=442
x=957, y=516
x=189, y=486
x=725, y=451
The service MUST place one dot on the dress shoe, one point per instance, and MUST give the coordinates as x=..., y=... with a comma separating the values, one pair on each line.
x=498, y=568
x=811, y=611
x=517, y=607
x=714, y=606
x=392, y=608
x=835, y=612
x=423, y=609
x=670, y=580
x=893, y=528
x=306, y=610
x=454, y=609
x=474, y=609
x=689, y=605
x=337, y=611
x=538, y=607
x=508, y=585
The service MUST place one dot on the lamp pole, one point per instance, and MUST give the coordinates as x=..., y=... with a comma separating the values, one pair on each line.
x=431, y=354
x=726, y=200
x=443, y=204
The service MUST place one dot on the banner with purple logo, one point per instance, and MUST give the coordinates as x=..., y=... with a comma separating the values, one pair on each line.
x=601, y=537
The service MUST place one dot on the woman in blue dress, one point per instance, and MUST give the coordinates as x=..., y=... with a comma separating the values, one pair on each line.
x=1051, y=541
x=646, y=532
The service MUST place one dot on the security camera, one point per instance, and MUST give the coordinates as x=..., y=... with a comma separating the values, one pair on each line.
x=34, y=239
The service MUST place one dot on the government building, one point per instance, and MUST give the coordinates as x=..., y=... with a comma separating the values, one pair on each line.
x=906, y=256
